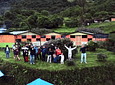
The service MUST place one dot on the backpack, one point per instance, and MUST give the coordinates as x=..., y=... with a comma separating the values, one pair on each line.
x=39, y=51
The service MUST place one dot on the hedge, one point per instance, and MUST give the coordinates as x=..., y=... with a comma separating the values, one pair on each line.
x=100, y=75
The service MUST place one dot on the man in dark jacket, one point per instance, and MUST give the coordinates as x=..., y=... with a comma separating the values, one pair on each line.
x=83, y=50
x=32, y=53
x=44, y=52
x=7, y=51
x=50, y=53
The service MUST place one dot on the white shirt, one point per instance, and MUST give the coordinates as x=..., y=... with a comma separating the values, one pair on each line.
x=70, y=50
x=7, y=49
x=14, y=47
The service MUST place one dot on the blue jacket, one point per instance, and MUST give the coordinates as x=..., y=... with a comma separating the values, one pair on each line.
x=36, y=49
x=44, y=51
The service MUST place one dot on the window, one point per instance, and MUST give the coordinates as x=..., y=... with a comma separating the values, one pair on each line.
x=43, y=36
x=89, y=39
x=33, y=36
x=18, y=40
x=84, y=36
x=47, y=39
x=28, y=40
x=23, y=36
x=72, y=36
x=53, y=37
x=38, y=39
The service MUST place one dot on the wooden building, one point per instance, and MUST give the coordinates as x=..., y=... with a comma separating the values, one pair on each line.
x=78, y=38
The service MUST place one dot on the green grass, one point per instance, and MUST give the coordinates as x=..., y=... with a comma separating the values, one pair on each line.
x=64, y=30
x=4, y=44
x=107, y=27
x=91, y=61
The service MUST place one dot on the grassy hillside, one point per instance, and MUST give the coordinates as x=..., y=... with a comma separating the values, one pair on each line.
x=107, y=27
x=91, y=61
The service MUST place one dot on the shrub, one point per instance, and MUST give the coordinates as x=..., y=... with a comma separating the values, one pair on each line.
x=102, y=57
x=60, y=43
x=111, y=37
x=92, y=46
x=70, y=62
x=84, y=76
x=92, y=30
x=73, y=22
x=101, y=44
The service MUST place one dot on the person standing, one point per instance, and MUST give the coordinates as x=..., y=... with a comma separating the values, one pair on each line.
x=44, y=52
x=26, y=55
x=50, y=53
x=19, y=47
x=16, y=55
x=39, y=52
x=62, y=58
x=24, y=52
x=14, y=48
x=58, y=53
x=53, y=49
x=70, y=51
x=83, y=54
x=32, y=53
x=36, y=52
x=7, y=51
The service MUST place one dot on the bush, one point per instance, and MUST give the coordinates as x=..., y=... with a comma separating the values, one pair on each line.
x=73, y=22
x=70, y=62
x=60, y=43
x=92, y=46
x=99, y=75
x=92, y=30
x=102, y=57
x=101, y=44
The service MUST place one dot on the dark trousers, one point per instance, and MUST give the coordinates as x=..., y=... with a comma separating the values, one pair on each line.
x=19, y=52
x=43, y=57
x=58, y=58
x=40, y=56
x=36, y=56
x=52, y=57
x=24, y=58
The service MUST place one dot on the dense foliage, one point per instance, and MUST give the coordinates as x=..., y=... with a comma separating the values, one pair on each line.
x=92, y=46
x=100, y=75
x=101, y=57
x=60, y=43
x=92, y=30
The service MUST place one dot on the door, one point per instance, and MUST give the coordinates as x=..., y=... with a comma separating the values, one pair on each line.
x=78, y=40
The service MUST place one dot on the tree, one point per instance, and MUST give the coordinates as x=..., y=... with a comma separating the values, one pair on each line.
x=32, y=20
x=9, y=15
x=73, y=22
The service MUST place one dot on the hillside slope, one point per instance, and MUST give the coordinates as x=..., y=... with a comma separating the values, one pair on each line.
x=107, y=27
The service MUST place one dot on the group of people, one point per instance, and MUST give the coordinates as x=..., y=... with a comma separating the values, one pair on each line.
x=54, y=54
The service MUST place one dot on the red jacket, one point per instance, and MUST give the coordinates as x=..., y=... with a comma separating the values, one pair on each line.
x=58, y=52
